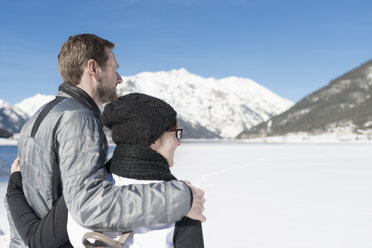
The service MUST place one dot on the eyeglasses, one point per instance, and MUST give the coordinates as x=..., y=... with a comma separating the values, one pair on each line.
x=179, y=132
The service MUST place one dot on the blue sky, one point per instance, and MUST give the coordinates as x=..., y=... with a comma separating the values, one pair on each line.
x=291, y=47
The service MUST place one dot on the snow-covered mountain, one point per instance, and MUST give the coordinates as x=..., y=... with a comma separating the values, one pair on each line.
x=31, y=104
x=342, y=107
x=11, y=117
x=209, y=107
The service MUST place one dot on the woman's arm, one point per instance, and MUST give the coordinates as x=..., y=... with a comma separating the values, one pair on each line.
x=50, y=231
x=188, y=233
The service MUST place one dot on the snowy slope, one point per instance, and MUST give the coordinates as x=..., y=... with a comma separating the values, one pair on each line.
x=11, y=117
x=343, y=106
x=32, y=104
x=276, y=196
x=224, y=107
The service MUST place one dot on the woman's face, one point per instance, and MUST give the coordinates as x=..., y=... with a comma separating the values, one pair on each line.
x=166, y=145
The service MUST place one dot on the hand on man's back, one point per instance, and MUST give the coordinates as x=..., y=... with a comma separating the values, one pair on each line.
x=197, y=207
x=15, y=166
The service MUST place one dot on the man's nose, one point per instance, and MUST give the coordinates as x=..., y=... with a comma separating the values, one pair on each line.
x=119, y=79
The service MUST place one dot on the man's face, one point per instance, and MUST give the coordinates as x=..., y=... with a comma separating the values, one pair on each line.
x=108, y=79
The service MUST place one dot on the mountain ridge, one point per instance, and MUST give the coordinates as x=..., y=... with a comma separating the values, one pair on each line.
x=31, y=104
x=344, y=103
x=207, y=107
x=223, y=106
x=11, y=117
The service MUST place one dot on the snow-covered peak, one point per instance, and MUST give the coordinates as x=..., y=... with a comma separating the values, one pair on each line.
x=31, y=104
x=223, y=106
x=207, y=107
x=8, y=108
x=180, y=71
x=4, y=104
x=11, y=117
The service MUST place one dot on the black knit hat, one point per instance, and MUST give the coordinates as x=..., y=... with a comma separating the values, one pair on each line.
x=138, y=119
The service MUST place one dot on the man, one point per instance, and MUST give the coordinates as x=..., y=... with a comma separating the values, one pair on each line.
x=70, y=141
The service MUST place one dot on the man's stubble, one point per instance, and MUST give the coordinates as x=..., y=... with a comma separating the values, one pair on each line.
x=105, y=92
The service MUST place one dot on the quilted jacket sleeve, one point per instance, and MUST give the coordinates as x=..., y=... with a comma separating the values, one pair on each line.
x=93, y=201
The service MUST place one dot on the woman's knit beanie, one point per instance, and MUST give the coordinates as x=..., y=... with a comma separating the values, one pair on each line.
x=138, y=119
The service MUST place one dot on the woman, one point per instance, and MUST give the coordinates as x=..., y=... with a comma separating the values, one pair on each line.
x=145, y=131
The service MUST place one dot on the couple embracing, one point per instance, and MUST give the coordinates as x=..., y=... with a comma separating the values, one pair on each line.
x=63, y=186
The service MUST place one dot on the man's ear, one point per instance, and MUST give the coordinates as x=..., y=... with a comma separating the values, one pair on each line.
x=92, y=67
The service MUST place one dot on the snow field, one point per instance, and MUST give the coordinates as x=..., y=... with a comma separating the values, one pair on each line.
x=276, y=195
x=293, y=195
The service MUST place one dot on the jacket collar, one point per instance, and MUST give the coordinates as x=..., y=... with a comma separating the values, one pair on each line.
x=81, y=96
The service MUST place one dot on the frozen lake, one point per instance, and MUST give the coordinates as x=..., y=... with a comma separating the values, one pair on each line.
x=278, y=195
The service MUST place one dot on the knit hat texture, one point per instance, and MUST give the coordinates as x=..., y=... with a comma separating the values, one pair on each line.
x=138, y=119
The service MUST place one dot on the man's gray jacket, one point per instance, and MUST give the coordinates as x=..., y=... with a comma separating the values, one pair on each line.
x=71, y=136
